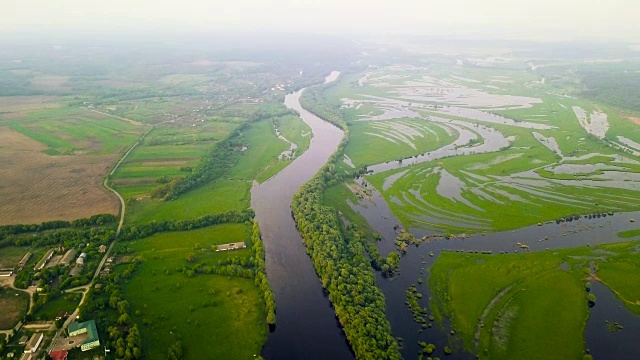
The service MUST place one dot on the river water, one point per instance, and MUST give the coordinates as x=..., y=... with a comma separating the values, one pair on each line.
x=306, y=326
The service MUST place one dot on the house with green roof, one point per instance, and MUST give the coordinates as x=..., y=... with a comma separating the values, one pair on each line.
x=88, y=327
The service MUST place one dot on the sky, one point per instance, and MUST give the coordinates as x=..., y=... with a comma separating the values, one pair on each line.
x=494, y=19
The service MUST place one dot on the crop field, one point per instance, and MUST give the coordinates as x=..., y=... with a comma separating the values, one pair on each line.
x=212, y=315
x=170, y=150
x=455, y=149
x=517, y=305
x=14, y=305
x=77, y=131
x=63, y=187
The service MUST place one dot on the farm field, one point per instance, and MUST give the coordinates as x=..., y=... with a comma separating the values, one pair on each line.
x=14, y=305
x=527, y=304
x=65, y=187
x=456, y=149
x=212, y=315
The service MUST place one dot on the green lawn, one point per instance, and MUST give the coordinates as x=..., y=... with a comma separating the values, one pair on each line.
x=14, y=305
x=214, y=316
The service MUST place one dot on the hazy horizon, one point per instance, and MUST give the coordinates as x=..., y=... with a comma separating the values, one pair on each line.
x=544, y=20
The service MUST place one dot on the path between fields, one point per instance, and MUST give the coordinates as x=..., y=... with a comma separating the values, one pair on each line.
x=85, y=288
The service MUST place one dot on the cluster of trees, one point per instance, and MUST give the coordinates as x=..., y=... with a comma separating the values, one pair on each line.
x=344, y=270
x=175, y=351
x=64, y=237
x=612, y=87
x=7, y=231
x=313, y=99
x=134, y=232
x=111, y=312
x=261, y=274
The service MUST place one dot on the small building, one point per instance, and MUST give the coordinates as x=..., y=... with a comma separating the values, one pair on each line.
x=23, y=340
x=44, y=260
x=231, y=246
x=77, y=270
x=102, y=249
x=88, y=327
x=59, y=355
x=24, y=260
x=6, y=273
x=80, y=259
x=34, y=343
x=68, y=257
x=26, y=356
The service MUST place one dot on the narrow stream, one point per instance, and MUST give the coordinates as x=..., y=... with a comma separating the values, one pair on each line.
x=306, y=326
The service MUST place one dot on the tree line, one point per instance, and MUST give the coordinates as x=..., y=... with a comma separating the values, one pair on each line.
x=343, y=268
x=84, y=223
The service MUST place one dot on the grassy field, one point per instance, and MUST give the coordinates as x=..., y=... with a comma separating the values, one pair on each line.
x=213, y=316
x=529, y=304
x=64, y=303
x=73, y=130
x=14, y=305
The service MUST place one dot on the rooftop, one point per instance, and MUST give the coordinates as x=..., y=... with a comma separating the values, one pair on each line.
x=90, y=325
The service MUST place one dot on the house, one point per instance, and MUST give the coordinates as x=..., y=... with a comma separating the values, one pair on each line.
x=88, y=327
x=23, y=340
x=44, y=260
x=68, y=257
x=102, y=249
x=59, y=355
x=34, y=342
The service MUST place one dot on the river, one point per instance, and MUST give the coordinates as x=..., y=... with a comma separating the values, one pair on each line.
x=306, y=326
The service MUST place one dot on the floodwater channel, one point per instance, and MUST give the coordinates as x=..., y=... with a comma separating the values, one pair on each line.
x=306, y=326
x=601, y=342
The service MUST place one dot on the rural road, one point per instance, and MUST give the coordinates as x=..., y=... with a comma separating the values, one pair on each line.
x=85, y=288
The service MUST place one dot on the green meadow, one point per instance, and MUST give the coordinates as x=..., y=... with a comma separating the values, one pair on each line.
x=214, y=316
x=515, y=306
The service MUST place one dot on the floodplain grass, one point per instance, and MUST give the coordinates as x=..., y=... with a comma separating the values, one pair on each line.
x=213, y=316
x=416, y=201
x=263, y=149
x=366, y=149
x=14, y=305
x=66, y=302
x=532, y=306
x=629, y=233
